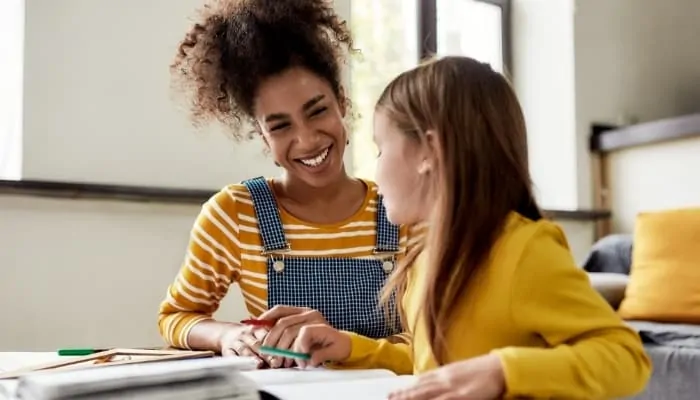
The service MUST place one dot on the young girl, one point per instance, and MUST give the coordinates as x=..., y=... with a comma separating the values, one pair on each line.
x=313, y=245
x=495, y=303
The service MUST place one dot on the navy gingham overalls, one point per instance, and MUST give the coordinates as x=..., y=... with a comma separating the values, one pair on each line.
x=344, y=290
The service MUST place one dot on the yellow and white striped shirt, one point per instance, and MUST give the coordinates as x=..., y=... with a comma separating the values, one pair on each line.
x=225, y=247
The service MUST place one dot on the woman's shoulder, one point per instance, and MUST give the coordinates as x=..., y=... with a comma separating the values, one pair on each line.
x=370, y=183
x=372, y=189
x=231, y=200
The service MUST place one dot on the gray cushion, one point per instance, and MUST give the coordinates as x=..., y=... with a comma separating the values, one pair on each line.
x=612, y=253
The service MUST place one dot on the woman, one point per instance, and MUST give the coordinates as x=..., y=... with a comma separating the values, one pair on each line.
x=495, y=304
x=312, y=246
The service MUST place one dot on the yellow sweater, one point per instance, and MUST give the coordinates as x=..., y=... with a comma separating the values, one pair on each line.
x=225, y=246
x=535, y=309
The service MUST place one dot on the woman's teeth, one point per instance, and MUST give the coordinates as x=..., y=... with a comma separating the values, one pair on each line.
x=315, y=161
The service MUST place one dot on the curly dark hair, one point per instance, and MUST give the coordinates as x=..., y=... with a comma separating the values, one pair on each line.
x=236, y=44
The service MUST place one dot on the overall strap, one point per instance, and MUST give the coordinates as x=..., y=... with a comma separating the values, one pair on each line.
x=388, y=235
x=269, y=221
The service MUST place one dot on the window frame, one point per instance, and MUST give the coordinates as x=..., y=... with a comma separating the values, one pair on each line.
x=427, y=30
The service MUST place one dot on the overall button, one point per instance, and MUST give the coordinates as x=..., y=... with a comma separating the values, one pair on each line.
x=388, y=266
x=278, y=265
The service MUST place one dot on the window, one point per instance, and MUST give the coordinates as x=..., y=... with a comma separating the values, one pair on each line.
x=393, y=35
x=385, y=31
x=11, y=75
x=473, y=28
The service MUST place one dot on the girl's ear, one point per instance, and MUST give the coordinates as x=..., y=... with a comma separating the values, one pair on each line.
x=430, y=152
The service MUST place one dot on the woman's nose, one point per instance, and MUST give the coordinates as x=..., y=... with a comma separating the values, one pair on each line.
x=308, y=137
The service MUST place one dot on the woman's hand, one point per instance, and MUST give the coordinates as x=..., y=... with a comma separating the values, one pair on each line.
x=243, y=340
x=288, y=322
x=323, y=343
x=477, y=378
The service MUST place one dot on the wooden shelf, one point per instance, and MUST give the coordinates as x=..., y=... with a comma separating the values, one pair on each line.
x=607, y=138
x=75, y=190
x=93, y=191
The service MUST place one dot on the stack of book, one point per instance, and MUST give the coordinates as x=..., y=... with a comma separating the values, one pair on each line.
x=207, y=378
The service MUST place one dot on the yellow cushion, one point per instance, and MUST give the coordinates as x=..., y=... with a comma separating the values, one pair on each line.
x=664, y=281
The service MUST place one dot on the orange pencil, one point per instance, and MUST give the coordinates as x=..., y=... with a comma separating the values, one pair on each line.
x=258, y=322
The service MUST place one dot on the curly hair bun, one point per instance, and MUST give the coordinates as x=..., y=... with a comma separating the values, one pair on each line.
x=235, y=45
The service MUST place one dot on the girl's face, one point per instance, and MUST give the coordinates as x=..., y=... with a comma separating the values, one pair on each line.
x=301, y=121
x=403, y=172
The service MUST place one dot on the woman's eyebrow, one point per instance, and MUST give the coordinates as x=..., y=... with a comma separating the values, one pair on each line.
x=312, y=102
x=307, y=105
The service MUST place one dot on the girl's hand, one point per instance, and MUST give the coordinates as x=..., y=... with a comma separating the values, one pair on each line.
x=288, y=321
x=477, y=378
x=323, y=343
x=243, y=340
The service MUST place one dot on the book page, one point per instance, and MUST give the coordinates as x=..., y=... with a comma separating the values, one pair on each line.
x=10, y=361
x=365, y=389
x=283, y=376
x=8, y=388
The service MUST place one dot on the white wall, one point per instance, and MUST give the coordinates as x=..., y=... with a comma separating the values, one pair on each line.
x=584, y=61
x=543, y=74
x=89, y=273
x=98, y=105
x=654, y=177
x=635, y=59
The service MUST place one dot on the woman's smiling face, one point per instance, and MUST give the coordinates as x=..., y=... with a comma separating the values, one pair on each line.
x=301, y=120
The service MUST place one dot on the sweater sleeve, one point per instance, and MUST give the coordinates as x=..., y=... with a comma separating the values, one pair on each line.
x=392, y=353
x=592, y=353
x=211, y=264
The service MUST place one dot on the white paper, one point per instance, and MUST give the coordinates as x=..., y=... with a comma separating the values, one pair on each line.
x=10, y=361
x=360, y=389
x=266, y=377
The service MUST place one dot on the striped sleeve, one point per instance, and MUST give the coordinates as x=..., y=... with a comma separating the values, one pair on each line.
x=211, y=264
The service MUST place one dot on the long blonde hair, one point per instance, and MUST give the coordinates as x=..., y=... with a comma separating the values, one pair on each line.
x=481, y=175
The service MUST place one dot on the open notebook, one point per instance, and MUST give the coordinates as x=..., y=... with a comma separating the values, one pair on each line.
x=321, y=383
x=218, y=378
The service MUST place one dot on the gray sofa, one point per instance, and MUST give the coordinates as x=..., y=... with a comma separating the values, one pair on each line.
x=673, y=348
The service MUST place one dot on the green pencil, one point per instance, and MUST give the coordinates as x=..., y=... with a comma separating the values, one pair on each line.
x=273, y=351
x=79, y=352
